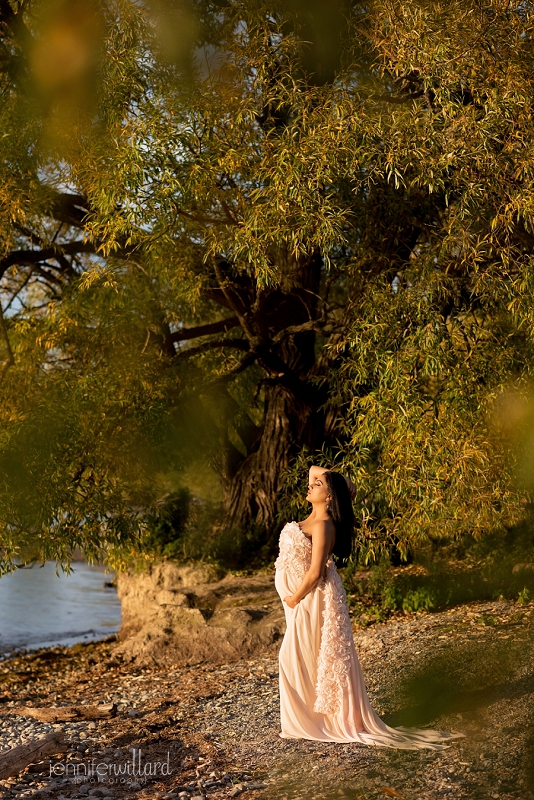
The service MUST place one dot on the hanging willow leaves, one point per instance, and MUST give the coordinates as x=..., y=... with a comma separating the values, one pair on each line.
x=238, y=236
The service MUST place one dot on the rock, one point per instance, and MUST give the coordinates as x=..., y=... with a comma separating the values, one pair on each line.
x=184, y=614
x=522, y=568
x=168, y=597
x=134, y=785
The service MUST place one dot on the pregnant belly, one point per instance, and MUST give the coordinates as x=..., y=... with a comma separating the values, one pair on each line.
x=280, y=584
x=286, y=583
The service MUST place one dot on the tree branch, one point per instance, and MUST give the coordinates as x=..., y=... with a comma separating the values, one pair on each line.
x=48, y=276
x=389, y=97
x=69, y=208
x=65, y=266
x=223, y=325
x=312, y=325
x=284, y=375
x=29, y=257
x=245, y=362
x=217, y=296
x=10, y=360
x=19, y=290
x=224, y=283
x=201, y=220
x=240, y=344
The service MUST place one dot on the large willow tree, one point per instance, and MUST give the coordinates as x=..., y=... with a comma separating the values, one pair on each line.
x=242, y=234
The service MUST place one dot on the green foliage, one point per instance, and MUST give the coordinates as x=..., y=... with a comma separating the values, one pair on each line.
x=446, y=574
x=166, y=526
x=524, y=596
x=227, y=248
x=188, y=529
x=414, y=410
x=420, y=599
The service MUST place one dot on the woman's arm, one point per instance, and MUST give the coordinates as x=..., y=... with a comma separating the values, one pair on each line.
x=316, y=472
x=318, y=561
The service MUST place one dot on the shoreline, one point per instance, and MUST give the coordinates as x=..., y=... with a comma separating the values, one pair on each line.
x=91, y=637
x=467, y=668
x=41, y=609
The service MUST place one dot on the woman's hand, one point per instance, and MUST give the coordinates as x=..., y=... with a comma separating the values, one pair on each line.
x=289, y=601
x=316, y=472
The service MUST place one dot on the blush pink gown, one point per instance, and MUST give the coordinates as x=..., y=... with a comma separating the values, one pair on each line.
x=322, y=689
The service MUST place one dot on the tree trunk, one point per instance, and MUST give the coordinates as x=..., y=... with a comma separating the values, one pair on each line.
x=291, y=416
x=253, y=492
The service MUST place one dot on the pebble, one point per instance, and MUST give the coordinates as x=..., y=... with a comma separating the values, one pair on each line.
x=241, y=719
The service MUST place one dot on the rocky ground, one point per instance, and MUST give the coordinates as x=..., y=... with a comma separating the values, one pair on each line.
x=215, y=728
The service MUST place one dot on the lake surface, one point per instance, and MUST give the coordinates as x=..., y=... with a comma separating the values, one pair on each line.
x=40, y=609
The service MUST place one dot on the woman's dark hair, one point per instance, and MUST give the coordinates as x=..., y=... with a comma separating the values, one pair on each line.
x=342, y=513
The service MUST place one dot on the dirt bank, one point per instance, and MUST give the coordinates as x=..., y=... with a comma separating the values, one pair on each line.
x=468, y=669
x=178, y=615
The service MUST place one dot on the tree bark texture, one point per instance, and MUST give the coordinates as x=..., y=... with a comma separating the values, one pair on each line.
x=292, y=415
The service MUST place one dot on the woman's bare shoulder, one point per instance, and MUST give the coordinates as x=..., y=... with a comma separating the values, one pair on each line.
x=321, y=526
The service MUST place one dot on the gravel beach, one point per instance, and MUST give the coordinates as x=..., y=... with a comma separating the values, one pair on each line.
x=214, y=729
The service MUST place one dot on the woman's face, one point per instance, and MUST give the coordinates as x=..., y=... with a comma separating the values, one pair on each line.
x=318, y=490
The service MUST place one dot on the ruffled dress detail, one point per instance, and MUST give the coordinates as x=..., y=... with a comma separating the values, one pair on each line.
x=322, y=689
x=334, y=659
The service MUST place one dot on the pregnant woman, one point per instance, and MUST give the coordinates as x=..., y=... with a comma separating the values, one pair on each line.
x=322, y=690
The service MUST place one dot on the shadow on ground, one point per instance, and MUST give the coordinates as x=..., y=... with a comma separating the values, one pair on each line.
x=467, y=678
x=482, y=688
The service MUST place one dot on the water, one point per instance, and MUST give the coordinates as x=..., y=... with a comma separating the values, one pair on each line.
x=40, y=609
